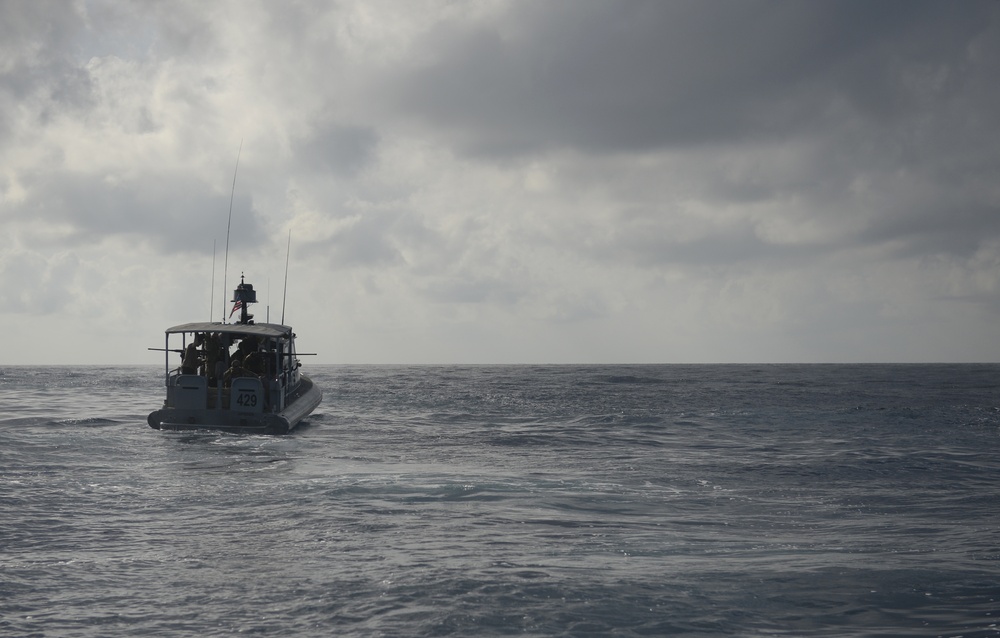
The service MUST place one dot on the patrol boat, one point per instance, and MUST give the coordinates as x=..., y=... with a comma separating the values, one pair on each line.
x=236, y=377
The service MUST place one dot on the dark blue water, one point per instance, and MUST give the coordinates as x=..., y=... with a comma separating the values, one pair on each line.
x=517, y=500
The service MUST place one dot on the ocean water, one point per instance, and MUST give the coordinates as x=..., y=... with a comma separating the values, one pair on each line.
x=674, y=500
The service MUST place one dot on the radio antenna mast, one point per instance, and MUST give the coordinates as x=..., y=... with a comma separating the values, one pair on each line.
x=284, y=294
x=225, y=270
x=211, y=300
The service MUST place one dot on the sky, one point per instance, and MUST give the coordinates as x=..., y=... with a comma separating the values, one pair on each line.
x=569, y=181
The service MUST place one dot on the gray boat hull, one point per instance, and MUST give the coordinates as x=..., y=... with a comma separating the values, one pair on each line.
x=299, y=404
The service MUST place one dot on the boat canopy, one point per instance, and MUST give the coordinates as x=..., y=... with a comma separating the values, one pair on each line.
x=273, y=330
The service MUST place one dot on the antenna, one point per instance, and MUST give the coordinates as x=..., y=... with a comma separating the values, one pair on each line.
x=225, y=270
x=211, y=301
x=284, y=294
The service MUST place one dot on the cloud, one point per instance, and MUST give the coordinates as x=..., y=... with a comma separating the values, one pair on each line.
x=342, y=150
x=35, y=285
x=838, y=117
x=369, y=240
x=173, y=213
x=637, y=180
x=638, y=75
x=38, y=76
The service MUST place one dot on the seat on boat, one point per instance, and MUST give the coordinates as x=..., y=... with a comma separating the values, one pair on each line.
x=189, y=392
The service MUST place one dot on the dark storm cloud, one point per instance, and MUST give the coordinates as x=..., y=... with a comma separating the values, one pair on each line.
x=37, y=35
x=944, y=229
x=472, y=289
x=46, y=46
x=174, y=212
x=879, y=115
x=735, y=245
x=339, y=149
x=38, y=75
x=646, y=74
x=371, y=239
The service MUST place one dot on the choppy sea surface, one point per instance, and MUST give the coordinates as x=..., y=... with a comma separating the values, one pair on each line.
x=673, y=500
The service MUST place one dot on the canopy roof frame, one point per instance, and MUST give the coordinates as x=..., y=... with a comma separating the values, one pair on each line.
x=272, y=330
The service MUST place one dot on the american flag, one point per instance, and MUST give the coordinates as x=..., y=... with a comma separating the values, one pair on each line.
x=236, y=306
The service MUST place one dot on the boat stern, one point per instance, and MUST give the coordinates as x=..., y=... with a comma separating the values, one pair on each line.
x=225, y=421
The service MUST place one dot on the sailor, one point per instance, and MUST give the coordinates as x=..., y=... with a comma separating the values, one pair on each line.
x=254, y=363
x=220, y=368
x=191, y=359
x=235, y=371
x=213, y=355
x=247, y=346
